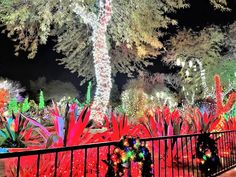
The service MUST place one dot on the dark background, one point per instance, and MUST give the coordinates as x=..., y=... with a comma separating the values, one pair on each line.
x=22, y=69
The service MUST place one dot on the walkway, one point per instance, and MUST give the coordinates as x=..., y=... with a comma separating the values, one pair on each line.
x=231, y=173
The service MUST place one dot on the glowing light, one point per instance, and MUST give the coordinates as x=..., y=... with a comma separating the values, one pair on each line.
x=190, y=64
x=141, y=155
x=117, y=150
x=198, y=160
x=178, y=62
x=187, y=73
x=208, y=153
x=126, y=143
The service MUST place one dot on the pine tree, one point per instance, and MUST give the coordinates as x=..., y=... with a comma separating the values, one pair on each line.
x=12, y=106
x=41, y=100
x=25, y=105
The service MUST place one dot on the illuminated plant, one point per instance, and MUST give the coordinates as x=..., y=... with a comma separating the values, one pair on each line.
x=14, y=89
x=161, y=99
x=70, y=127
x=20, y=131
x=4, y=98
x=134, y=102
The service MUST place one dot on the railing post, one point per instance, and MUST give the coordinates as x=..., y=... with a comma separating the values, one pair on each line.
x=85, y=161
x=97, y=165
x=71, y=162
x=55, y=166
x=153, y=159
x=38, y=165
x=18, y=167
x=192, y=157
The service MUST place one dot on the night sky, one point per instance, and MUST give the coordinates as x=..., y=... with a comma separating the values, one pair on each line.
x=22, y=69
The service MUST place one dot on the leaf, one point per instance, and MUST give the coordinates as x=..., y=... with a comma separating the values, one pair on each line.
x=3, y=134
x=106, y=121
x=10, y=132
x=51, y=139
x=45, y=131
x=153, y=126
x=116, y=133
x=28, y=133
x=170, y=130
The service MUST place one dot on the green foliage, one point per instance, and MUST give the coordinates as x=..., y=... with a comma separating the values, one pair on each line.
x=30, y=22
x=25, y=106
x=12, y=106
x=226, y=70
x=204, y=45
x=230, y=42
x=65, y=100
x=41, y=100
x=127, y=23
x=220, y=4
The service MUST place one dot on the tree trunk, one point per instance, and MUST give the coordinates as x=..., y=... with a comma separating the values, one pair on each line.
x=102, y=64
x=100, y=54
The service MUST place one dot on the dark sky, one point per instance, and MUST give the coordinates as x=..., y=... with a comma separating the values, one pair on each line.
x=22, y=69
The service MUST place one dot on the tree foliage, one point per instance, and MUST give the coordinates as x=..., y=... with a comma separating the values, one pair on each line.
x=230, y=42
x=32, y=22
x=220, y=4
x=134, y=34
x=199, y=54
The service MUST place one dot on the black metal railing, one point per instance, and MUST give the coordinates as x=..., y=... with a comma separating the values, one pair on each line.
x=172, y=156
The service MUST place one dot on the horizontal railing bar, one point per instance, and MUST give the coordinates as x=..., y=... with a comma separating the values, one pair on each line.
x=94, y=145
x=184, y=135
x=53, y=150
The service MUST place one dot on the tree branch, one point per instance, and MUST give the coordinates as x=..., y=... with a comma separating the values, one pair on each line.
x=88, y=17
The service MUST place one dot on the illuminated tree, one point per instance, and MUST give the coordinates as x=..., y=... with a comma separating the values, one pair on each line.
x=200, y=56
x=12, y=106
x=146, y=93
x=25, y=106
x=41, y=100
